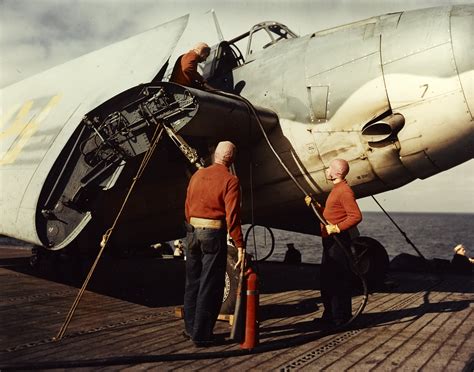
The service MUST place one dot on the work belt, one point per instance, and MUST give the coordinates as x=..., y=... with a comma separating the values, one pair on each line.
x=206, y=223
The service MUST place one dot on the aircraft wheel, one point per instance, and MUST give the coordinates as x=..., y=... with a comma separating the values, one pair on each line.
x=38, y=254
x=35, y=257
x=372, y=260
x=231, y=282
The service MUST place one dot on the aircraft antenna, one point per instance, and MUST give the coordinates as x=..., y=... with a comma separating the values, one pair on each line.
x=218, y=28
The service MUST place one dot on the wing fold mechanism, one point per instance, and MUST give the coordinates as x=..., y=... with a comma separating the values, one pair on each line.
x=112, y=138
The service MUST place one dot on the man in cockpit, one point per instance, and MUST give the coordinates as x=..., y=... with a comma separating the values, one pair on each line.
x=185, y=69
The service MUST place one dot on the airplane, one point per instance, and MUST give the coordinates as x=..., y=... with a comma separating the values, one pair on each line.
x=392, y=94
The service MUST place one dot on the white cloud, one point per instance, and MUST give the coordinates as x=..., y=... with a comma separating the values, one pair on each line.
x=39, y=34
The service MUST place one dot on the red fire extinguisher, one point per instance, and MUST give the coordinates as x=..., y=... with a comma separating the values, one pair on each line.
x=251, y=315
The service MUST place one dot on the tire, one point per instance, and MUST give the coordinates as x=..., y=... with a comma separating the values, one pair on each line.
x=231, y=282
x=371, y=260
x=36, y=256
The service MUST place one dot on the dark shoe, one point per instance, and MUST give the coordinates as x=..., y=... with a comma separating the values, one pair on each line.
x=186, y=335
x=340, y=323
x=206, y=343
x=323, y=321
x=214, y=341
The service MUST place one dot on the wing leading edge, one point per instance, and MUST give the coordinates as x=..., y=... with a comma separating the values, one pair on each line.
x=40, y=114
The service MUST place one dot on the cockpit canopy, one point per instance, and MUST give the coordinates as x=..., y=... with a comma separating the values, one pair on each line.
x=227, y=55
x=264, y=35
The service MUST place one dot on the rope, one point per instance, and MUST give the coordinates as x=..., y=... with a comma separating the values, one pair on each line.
x=399, y=229
x=105, y=238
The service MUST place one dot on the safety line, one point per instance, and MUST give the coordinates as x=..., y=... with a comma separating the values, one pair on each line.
x=399, y=229
x=105, y=238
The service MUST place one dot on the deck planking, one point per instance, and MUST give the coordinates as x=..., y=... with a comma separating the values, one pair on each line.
x=424, y=323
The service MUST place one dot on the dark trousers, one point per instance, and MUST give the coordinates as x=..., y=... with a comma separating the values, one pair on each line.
x=206, y=261
x=336, y=279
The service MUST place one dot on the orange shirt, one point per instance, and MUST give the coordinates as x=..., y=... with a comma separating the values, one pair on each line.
x=185, y=71
x=214, y=193
x=341, y=208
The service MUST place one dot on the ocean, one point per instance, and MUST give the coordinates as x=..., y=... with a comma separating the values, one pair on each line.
x=434, y=234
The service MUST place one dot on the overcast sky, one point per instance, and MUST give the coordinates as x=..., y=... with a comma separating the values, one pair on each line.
x=39, y=34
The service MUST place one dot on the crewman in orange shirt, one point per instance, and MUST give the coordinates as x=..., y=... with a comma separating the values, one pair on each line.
x=212, y=210
x=342, y=214
x=185, y=69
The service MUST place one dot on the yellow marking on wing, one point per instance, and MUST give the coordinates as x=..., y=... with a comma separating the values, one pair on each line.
x=5, y=118
x=19, y=124
x=13, y=153
x=26, y=129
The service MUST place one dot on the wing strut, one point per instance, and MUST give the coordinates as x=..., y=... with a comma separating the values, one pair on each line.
x=157, y=137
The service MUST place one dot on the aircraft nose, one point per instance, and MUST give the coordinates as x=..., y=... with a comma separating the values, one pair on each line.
x=429, y=80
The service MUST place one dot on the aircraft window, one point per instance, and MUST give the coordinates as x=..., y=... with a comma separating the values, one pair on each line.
x=259, y=37
x=237, y=54
x=226, y=59
x=223, y=59
x=281, y=32
x=267, y=34
x=259, y=40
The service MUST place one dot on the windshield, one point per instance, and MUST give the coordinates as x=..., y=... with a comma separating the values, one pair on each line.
x=262, y=36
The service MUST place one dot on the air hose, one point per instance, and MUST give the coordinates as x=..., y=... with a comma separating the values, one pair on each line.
x=349, y=255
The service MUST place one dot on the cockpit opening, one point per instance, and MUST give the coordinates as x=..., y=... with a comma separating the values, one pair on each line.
x=227, y=55
x=266, y=34
x=262, y=36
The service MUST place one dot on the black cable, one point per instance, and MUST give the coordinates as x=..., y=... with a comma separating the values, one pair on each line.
x=157, y=358
x=399, y=229
x=252, y=227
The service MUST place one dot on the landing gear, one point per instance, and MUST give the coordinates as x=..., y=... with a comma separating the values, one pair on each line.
x=38, y=254
x=231, y=282
x=371, y=259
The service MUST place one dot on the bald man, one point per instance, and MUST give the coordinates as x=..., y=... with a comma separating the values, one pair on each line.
x=212, y=209
x=342, y=214
x=185, y=69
